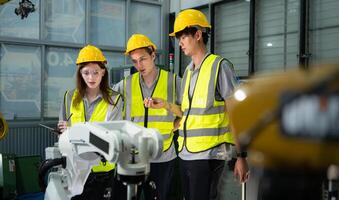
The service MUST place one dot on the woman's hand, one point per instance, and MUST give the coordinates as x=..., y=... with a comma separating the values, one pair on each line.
x=62, y=125
x=155, y=103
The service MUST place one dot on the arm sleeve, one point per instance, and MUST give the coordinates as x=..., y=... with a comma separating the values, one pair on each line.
x=227, y=81
x=62, y=113
x=119, y=87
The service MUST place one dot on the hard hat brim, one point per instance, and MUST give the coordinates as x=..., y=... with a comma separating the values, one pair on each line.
x=103, y=61
x=174, y=32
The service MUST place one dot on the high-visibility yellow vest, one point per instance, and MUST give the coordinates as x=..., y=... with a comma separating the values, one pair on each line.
x=99, y=114
x=205, y=123
x=135, y=111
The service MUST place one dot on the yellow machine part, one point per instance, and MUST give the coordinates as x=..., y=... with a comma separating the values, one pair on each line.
x=270, y=148
x=3, y=1
x=3, y=127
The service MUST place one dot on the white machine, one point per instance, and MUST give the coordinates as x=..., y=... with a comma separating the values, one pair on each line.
x=83, y=145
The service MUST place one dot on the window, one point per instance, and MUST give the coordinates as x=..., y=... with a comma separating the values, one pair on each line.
x=107, y=25
x=20, y=81
x=38, y=53
x=276, y=34
x=146, y=19
x=324, y=31
x=115, y=61
x=65, y=21
x=59, y=76
x=232, y=34
x=13, y=26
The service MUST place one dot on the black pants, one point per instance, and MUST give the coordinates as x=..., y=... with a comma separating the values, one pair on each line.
x=102, y=185
x=200, y=178
x=161, y=176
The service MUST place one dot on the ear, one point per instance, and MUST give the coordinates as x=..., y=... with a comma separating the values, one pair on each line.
x=153, y=56
x=103, y=73
x=198, y=35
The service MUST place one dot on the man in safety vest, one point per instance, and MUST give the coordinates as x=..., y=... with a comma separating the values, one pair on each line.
x=93, y=101
x=147, y=83
x=204, y=132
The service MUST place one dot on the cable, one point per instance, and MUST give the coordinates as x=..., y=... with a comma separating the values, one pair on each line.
x=44, y=168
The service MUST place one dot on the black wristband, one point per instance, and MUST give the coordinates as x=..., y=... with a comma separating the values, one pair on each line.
x=242, y=154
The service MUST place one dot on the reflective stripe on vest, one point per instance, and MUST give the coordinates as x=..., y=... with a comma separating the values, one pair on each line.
x=100, y=114
x=135, y=111
x=205, y=123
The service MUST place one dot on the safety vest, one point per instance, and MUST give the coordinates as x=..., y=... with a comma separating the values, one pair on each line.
x=204, y=124
x=135, y=111
x=100, y=114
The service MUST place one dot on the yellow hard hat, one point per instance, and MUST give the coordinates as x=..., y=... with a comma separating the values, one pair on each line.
x=90, y=53
x=137, y=41
x=187, y=18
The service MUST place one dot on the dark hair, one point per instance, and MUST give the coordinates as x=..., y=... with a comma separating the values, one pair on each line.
x=191, y=31
x=104, y=86
x=149, y=50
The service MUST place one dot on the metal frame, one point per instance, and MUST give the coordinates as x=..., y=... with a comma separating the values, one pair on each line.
x=251, y=49
x=285, y=33
x=211, y=8
x=303, y=54
x=148, y=2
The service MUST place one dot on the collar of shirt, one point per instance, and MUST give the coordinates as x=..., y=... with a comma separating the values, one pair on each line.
x=97, y=99
x=196, y=68
x=143, y=84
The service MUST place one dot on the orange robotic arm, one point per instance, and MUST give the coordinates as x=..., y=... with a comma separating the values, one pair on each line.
x=280, y=118
x=3, y=127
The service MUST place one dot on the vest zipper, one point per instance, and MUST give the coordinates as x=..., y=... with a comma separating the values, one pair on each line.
x=146, y=109
x=185, y=123
x=146, y=117
x=83, y=102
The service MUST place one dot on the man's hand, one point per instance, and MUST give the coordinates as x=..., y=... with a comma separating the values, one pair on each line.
x=241, y=171
x=155, y=103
